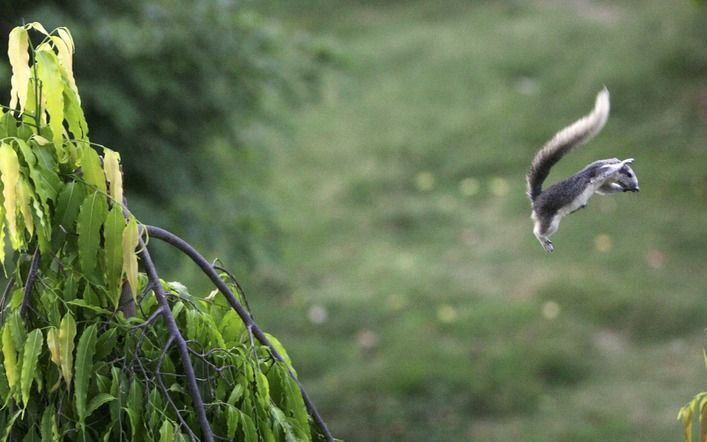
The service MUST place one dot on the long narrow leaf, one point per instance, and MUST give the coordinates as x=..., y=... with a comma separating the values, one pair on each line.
x=49, y=74
x=111, y=165
x=9, y=357
x=33, y=346
x=68, y=205
x=67, y=333
x=48, y=428
x=92, y=170
x=91, y=217
x=130, y=241
x=97, y=401
x=18, y=44
x=83, y=373
x=113, y=245
x=10, y=174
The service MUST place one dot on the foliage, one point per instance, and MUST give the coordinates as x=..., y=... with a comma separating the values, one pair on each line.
x=88, y=347
x=179, y=85
x=695, y=411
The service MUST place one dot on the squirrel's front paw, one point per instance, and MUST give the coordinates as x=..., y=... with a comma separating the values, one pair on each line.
x=548, y=246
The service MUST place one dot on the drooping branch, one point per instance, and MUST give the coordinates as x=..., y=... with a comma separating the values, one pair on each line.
x=203, y=264
x=179, y=340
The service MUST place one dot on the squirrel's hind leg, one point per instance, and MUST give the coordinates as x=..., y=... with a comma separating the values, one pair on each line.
x=544, y=228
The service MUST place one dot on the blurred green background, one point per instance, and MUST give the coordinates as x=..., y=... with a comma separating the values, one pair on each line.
x=361, y=166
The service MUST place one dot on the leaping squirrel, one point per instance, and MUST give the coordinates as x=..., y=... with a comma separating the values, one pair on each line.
x=571, y=194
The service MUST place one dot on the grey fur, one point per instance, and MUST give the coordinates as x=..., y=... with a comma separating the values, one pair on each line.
x=571, y=194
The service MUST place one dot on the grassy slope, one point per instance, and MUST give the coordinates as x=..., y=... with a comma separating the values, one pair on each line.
x=406, y=230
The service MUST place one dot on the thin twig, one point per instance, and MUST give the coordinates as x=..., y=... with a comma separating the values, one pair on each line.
x=203, y=264
x=29, y=285
x=239, y=288
x=5, y=293
x=165, y=392
x=176, y=335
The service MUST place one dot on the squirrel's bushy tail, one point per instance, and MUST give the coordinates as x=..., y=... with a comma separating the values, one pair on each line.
x=565, y=140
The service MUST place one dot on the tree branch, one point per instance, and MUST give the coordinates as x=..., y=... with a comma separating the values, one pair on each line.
x=29, y=284
x=203, y=264
x=176, y=335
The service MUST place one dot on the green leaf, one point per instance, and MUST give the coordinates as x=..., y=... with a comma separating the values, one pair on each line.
x=17, y=327
x=10, y=174
x=67, y=209
x=135, y=406
x=231, y=327
x=67, y=333
x=263, y=389
x=33, y=346
x=84, y=304
x=106, y=343
x=48, y=428
x=92, y=214
x=292, y=401
x=9, y=357
x=9, y=425
x=115, y=391
x=232, y=416
x=46, y=183
x=49, y=74
x=282, y=422
x=72, y=110
x=235, y=395
x=280, y=348
x=167, y=431
x=83, y=373
x=46, y=158
x=113, y=245
x=97, y=401
x=92, y=170
x=249, y=432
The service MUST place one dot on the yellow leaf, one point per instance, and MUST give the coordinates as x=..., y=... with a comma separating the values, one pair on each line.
x=39, y=139
x=2, y=235
x=24, y=204
x=10, y=173
x=10, y=357
x=49, y=73
x=65, y=35
x=17, y=51
x=65, y=45
x=53, y=345
x=37, y=26
x=130, y=242
x=111, y=166
x=67, y=333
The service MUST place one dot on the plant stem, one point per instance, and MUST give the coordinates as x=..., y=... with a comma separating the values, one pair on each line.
x=203, y=264
x=29, y=284
x=179, y=340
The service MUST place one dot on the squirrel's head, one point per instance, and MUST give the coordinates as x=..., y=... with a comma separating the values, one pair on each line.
x=626, y=177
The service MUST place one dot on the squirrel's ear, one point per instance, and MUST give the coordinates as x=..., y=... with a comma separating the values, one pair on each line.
x=610, y=169
x=627, y=161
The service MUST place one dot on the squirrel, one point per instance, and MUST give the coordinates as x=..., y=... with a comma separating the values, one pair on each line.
x=571, y=194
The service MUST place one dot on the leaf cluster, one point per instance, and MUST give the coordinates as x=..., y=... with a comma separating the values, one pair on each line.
x=163, y=79
x=85, y=352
